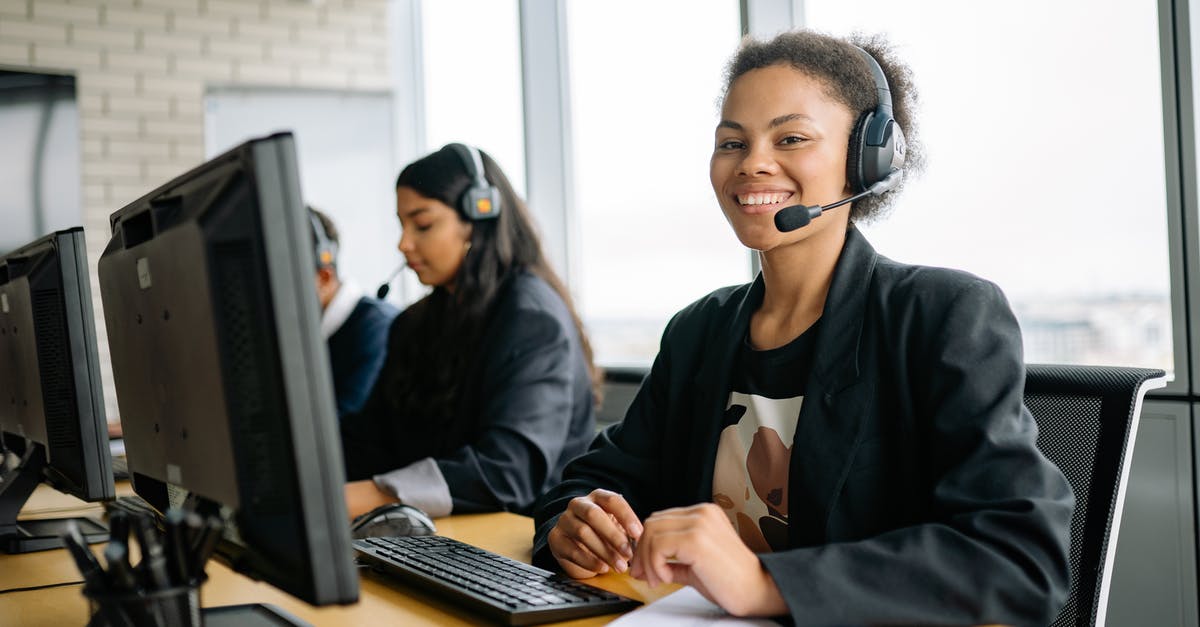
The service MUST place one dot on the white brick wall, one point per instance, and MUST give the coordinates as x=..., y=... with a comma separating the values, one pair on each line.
x=142, y=67
x=69, y=13
x=101, y=38
x=13, y=30
x=14, y=8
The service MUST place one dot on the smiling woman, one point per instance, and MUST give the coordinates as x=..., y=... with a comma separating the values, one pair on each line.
x=763, y=162
x=824, y=442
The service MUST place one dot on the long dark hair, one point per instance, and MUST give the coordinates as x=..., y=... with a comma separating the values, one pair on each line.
x=433, y=360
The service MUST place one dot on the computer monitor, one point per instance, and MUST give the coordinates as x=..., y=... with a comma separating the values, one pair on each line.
x=221, y=374
x=52, y=421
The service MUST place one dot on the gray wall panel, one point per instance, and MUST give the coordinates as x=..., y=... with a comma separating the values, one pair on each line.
x=1154, y=579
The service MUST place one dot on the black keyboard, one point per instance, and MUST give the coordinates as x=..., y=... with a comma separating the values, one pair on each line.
x=503, y=589
x=133, y=505
x=120, y=467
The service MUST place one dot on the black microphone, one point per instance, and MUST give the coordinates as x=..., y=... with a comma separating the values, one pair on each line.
x=387, y=286
x=791, y=218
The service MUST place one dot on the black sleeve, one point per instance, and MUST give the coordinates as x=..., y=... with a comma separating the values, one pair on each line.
x=364, y=438
x=625, y=458
x=527, y=403
x=994, y=549
x=366, y=433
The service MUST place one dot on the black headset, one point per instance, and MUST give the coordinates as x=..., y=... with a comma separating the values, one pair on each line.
x=877, y=144
x=326, y=249
x=480, y=201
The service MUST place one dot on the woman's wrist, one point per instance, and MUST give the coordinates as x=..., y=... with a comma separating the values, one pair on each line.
x=766, y=598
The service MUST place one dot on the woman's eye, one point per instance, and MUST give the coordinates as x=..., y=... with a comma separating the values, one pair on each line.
x=792, y=139
x=731, y=144
x=423, y=227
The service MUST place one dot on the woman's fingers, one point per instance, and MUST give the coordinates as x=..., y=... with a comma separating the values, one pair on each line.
x=594, y=534
x=673, y=539
x=699, y=547
x=619, y=509
x=595, y=527
x=589, y=538
x=577, y=561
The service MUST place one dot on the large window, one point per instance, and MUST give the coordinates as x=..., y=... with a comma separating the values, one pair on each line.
x=472, y=79
x=644, y=108
x=344, y=149
x=1046, y=166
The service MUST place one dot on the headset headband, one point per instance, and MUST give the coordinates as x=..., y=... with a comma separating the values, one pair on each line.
x=877, y=146
x=326, y=249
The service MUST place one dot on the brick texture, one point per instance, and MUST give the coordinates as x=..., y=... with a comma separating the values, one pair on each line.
x=142, y=68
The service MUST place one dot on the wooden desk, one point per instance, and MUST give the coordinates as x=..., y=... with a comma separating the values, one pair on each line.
x=381, y=600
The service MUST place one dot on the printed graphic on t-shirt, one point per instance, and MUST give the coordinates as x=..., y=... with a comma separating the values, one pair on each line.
x=750, y=479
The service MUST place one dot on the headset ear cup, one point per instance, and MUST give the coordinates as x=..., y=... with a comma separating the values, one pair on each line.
x=481, y=200
x=481, y=204
x=854, y=156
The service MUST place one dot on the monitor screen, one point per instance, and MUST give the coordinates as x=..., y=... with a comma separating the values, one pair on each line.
x=221, y=374
x=51, y=400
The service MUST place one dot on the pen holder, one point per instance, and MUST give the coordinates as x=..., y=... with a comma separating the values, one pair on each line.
x=169, y=607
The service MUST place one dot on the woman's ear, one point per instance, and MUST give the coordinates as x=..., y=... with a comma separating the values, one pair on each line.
x=468, y=230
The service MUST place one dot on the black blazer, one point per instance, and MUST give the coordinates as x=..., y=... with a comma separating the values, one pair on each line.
x=532, y=388
x=916, y=491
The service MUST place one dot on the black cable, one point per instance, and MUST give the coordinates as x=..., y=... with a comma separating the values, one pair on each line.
x=43, y=587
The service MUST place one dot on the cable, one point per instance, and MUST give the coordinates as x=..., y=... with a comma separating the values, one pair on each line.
x=43, y=587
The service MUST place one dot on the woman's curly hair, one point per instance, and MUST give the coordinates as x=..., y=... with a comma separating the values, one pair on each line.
x=847, y=77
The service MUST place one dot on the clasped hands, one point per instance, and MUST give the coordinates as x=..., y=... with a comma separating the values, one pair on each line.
x=695, y=546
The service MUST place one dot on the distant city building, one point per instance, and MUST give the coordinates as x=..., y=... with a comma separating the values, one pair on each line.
x=1112, y=329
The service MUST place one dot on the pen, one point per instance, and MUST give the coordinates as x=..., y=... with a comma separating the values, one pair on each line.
x=120, y=573
x=88, y=566
x=118, y=527
x=210, y=534
x=154, y=564
x=95, y=582
x=175, y=524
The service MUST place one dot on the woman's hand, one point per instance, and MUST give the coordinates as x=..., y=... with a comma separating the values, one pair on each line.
x=698, y=546
x=364, y=496
x=596, y=533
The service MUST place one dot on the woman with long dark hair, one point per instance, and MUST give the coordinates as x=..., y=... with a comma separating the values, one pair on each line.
x=488, y=389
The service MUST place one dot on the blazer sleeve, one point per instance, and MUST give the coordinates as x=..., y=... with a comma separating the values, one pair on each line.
x=993, y=547
x=364, y=434
x=625, y=458
x=526, y=402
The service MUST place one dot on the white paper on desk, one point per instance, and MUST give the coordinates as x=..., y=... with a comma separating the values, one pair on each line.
x=685, y=608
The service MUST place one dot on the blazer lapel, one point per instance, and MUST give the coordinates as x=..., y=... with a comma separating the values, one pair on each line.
x=836, y=398
x=712, y=382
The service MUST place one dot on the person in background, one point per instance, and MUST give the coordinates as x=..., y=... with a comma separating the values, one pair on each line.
x=488, y=388
x=355, y=326
x=843, y=440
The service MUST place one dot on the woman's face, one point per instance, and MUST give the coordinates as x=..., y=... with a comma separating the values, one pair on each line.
x=781, y=141
x=433, y=238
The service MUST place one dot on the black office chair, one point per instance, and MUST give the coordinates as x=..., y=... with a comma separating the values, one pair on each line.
x=1087, y=420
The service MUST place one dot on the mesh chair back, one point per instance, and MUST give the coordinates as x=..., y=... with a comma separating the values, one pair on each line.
x=1087, y=420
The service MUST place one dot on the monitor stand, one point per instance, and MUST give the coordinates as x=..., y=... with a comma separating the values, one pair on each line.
x=35, y=535
x=250, y=615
